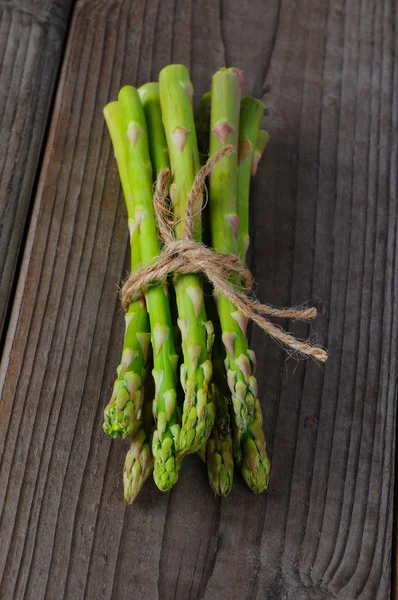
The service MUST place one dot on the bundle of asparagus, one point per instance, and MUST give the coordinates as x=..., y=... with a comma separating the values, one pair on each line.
x=153, y=129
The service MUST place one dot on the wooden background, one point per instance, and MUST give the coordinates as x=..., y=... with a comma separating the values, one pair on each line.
x=324, y=229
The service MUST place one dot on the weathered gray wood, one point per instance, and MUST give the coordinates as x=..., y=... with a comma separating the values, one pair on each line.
x=31, y=42
x=325, y=229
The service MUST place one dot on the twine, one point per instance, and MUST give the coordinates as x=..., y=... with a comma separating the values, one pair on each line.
x=187, y=256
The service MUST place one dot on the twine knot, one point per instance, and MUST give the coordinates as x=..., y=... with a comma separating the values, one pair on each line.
x=188, y=256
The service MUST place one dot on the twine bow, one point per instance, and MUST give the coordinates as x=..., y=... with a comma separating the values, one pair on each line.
x=187, y=256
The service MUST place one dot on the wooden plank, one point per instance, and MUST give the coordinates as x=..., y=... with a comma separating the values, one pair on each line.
x=325, y=228
x=31, y=42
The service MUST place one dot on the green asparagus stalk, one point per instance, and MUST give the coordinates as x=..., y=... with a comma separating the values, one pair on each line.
x=219, y=449
x=138, y=464
x=196, y=331
x=251, y=112
x=218, y=453
x=122, y=414
x=249, y=447
x=240, y=360
x=165, y=437
x=224, y=230
x=224, y=130
x=150, y=99
x=250, y=454
x=149, y=94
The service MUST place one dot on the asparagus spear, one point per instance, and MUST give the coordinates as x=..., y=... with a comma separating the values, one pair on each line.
x=150, y=99
x=165, y=437
x=251, y=112
x=149, y=94
x=249, y=447
x=240, y=361
x=196, y=331
x=122, y=414
x=250, y=454
x=224, y=230
x=138, y=464
x=221, y=431
x=219, y=450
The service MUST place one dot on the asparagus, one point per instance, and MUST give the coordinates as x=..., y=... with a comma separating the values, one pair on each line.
x=196, y=331
x=150, y=99
x=249, y=447
x=149, y=94
x=251, y=112
x=122, y=414
x=138, y=464
x=240, y=360
x=250, y=454
x=219, y=450
x=224, y=230
x=165, y=437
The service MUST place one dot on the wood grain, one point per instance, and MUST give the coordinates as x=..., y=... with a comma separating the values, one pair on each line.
x=324, y=229
x=32, y=37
